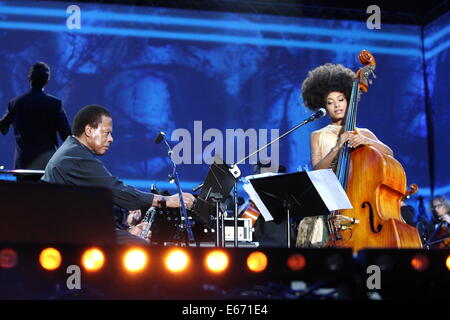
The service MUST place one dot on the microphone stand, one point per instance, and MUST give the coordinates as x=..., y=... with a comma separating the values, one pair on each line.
x=174, y=177
x=236, y=172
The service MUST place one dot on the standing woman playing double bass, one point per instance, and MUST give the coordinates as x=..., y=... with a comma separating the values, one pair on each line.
x=329, y=86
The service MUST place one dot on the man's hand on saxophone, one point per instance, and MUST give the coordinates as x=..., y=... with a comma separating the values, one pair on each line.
x=137, y=230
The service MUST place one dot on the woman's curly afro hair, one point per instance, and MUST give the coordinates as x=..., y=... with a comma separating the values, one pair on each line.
x=323, y=80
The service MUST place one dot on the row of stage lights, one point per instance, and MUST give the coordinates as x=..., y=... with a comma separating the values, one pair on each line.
x=175, y=260
x=134, y=260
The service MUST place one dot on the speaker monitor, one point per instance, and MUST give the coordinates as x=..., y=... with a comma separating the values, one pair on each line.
x=46, y=213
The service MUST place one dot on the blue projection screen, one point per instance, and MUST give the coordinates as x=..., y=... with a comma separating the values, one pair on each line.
x=166, y=69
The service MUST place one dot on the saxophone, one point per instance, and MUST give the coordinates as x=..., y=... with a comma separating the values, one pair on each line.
x=148, y=221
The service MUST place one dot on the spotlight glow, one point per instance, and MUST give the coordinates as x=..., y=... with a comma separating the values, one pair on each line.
x=296, y=262
x=217, y=261
x=8, y=258
x=93, y=259
x=447, y=262
x=50, y=259
x=177, y=261
x=257, y=261
x=135, y=260
x=420, y=262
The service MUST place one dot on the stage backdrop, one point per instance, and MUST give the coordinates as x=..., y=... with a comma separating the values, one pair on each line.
x=163, y=69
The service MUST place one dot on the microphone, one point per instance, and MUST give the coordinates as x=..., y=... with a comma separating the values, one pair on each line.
x=319, y=114
x=160, y=137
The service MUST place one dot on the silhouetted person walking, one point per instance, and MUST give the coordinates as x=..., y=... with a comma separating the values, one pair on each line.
x=36, y=117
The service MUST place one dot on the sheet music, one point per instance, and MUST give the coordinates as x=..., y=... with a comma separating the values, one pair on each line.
x=329, y=189
x=254, y=195
x=324, y=181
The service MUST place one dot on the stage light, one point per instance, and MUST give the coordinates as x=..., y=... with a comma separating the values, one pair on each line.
x=8, y=258
x=217, y=261
x=296, y=262
x=50, y=259
x=447, y=262
x=257, y=261
x=135, y=260
x=335, y=262
x=176, y=261
x=420, y=262
x=385, y=262
x=93, y=259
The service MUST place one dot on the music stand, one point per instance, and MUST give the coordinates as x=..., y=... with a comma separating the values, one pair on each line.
x=290, y=194
x=216, y=188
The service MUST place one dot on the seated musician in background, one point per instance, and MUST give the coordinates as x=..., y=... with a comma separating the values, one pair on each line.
x=75, y=163
x=329, y=86
x=439, y=230
x=440, y=208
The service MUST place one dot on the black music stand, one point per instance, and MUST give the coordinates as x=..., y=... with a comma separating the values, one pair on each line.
x=290, y=194
x=216, y=188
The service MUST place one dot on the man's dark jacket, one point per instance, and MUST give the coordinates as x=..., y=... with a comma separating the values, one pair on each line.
x=37, y=117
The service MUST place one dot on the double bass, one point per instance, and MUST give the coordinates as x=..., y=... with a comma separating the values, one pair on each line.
x=375, y=184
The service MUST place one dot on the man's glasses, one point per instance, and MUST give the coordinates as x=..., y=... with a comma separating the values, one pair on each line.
x=437, y=206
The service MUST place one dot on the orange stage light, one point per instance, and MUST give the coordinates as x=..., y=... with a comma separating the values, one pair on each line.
x=257, y=261
x=93, y=259
x=50, y=259
x=296, y=262
x=135, y=260
x=217, y=261
x=420, y=262
x=176, y=260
